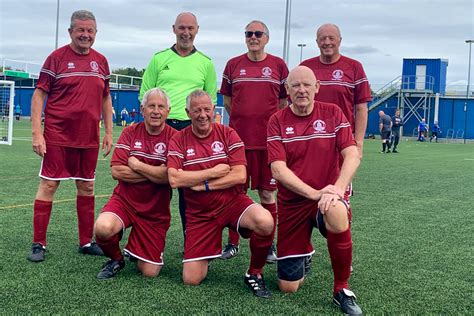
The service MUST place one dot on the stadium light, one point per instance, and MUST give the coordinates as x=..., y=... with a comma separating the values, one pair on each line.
x=286, y=39
x=57, y=24
x=301, y=51
x=467, y=90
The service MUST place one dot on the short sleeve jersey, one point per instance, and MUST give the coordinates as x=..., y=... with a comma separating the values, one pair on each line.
x=76, y=85
x=385, y=120
x=190, y=153
x=397, y=123
x=255, y=88
x=309, y=145
x=149, y=199
x=178, y=76
x=343, y=83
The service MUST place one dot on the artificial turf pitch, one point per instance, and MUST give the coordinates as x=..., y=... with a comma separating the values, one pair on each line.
x=412, y=230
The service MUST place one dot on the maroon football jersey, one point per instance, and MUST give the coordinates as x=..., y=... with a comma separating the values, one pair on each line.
x=343, y=83
x=76, y=85
x=188, y=152
x=149, y=199
x=255, y=88
x=309, y=145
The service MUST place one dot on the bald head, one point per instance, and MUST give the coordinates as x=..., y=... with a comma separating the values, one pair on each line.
x=381, y=113
x=187, y=16
x=299, y=73
x=302, y=86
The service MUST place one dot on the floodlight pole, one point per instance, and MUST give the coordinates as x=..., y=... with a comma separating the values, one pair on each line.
x=57, y=24
x=286, y=40
x=467, y=90
x=301, y=51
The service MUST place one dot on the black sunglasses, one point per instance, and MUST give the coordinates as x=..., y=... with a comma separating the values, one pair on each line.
x=258, y=34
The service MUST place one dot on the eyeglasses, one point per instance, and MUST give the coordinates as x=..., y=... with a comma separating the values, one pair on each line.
x=258, y=34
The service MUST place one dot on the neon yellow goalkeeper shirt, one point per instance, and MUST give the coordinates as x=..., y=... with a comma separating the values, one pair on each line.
x=178, y=76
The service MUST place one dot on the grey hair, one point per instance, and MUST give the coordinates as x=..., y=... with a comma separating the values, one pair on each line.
x=158, y=91
x=329, y=24
x=82, y=15
x=265, y=28
x=196, y=94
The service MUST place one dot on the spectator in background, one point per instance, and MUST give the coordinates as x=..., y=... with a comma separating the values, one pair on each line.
x=435, y=131
x=124, y=116
x=17, y=112
x=133, y=116
x=397, y=122
x=422, y=130
x=385, y=127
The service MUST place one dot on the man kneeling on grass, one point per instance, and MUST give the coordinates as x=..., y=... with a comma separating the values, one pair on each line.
x=141, y=199
x=208, y=160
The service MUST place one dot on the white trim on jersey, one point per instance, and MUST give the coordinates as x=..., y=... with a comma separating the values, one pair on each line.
x=237, y=80
x=205, y=159
x=236, y=145
x=150, y=156
x=338, y=83
x=175, y=153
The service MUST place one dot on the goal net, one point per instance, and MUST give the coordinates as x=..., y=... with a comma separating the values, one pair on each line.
x=7, y=94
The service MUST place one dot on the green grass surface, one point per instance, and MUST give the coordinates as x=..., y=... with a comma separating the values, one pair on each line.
x=412, y=229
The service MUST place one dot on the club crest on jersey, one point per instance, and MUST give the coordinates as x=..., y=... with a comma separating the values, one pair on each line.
x=273, y=181
x=243, y=72
x=190, y=152
x=289, y=130
x=319, y=126
x=217, y=147
x=337, y=74
x=266, y=71
x=94, y=66
x=160, y=148
x=70, y=65
x=138, y=144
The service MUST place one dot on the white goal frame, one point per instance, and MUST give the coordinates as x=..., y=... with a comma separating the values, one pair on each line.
x=9, y=139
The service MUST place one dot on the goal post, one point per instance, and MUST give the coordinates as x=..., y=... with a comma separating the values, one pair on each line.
x=7, y=96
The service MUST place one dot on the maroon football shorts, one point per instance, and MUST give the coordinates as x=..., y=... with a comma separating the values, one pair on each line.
x=259, y=174
x=63, y=163
x=204, y=232
x=146, y=241
x=295, y=226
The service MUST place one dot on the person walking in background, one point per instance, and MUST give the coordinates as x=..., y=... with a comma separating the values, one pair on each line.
x=435, y=131
x=179, y=70
x=124, y=116
x=74, y=82
x=397, y=123
x=385, y=128
x=253, y=86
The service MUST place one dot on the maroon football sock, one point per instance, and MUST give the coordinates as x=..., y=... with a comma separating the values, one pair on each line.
x=233, y=237
x=340, y=251
x=41, y=216
x=272, y=208
x=110, y=247
x=259, y=245
x=85, y=218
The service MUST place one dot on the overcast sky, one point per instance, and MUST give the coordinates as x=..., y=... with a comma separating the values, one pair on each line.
x=377, y=33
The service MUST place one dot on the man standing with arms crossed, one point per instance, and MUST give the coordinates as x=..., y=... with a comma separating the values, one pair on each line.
x=179, y=70
x=253, y=86
x=311, y=195
x=75, y=81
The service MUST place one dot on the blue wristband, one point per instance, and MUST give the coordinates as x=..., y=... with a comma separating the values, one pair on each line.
x=206, y=186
